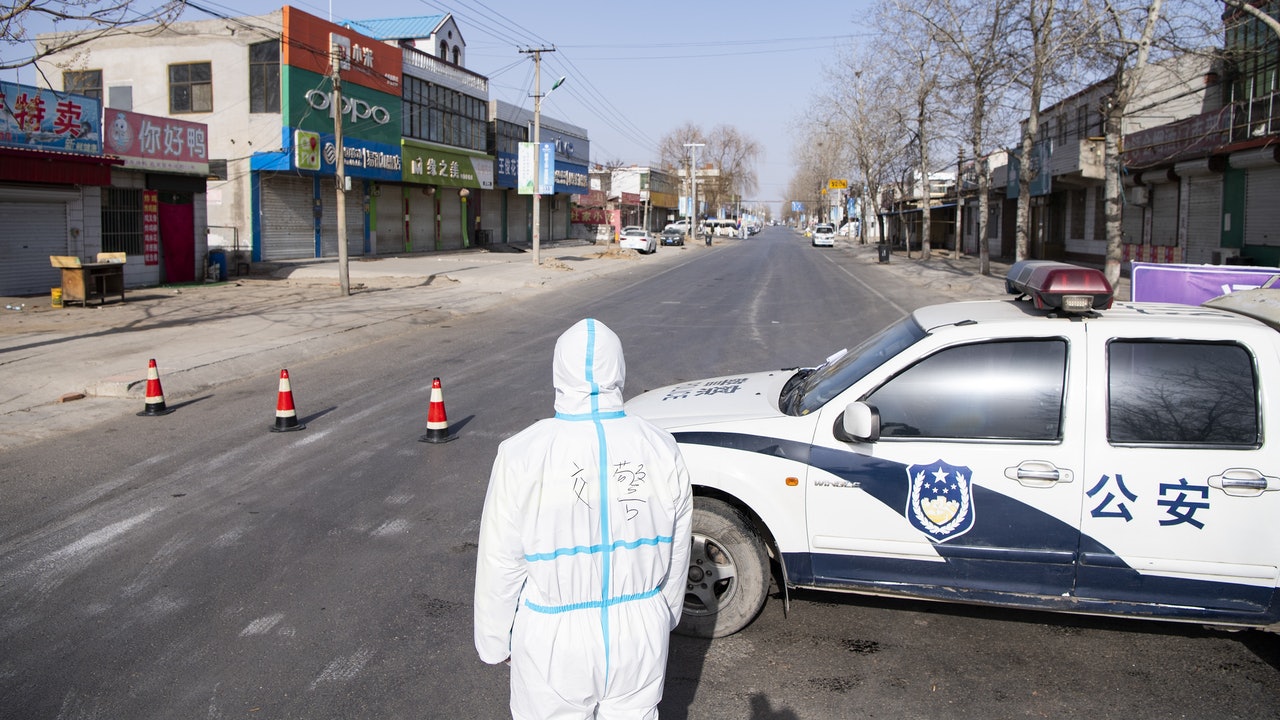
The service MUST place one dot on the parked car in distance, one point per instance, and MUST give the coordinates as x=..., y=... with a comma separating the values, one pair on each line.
x=681, y=226
x=639, y=239
x=672, y=236
x=824, y=234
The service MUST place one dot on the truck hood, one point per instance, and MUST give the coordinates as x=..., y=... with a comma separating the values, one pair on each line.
x=713, y=400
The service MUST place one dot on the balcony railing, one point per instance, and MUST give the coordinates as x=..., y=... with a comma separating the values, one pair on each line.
x=1252, y=119
x=434, y=65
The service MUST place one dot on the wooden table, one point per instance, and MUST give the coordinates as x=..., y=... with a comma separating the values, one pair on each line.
x=92, y=280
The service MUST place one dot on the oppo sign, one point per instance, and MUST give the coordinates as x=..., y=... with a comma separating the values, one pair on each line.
x=355, y=108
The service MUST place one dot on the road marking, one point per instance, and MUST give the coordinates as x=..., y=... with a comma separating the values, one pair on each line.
x=262, y=625
x=344, y=668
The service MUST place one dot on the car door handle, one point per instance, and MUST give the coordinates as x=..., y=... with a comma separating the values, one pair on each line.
x=1244, y=482
x=1038, y=474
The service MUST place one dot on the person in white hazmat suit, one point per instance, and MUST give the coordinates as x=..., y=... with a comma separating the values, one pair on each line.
x=584, y=547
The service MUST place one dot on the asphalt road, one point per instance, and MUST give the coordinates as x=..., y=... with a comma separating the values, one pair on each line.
x=201, y=566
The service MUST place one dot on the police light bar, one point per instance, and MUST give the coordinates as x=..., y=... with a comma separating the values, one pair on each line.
x=1060, y=286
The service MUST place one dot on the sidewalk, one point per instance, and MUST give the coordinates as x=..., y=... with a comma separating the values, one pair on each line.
x=65, y=369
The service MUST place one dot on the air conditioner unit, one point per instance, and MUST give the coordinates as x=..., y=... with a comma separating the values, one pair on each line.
x=1138, y=195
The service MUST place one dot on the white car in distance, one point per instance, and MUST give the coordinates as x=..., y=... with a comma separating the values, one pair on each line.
x=638, y=239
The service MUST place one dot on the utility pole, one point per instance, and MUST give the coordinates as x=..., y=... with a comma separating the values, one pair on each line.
x=340, y=175
x=537, y=141
x=959, y=202
x=693, y=183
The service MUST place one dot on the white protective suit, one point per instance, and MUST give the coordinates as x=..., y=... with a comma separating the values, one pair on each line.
x=584, y=547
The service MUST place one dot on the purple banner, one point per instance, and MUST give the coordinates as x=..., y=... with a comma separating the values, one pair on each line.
x=1194, y=284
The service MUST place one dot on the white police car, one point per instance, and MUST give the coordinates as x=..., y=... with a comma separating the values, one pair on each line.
x=1048, y=452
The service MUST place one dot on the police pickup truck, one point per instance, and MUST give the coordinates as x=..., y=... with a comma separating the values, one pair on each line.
x=1054, y=451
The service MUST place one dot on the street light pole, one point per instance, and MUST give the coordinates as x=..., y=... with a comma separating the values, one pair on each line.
x=693, y=184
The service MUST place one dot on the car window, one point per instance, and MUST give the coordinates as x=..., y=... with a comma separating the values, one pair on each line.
x=1181, y=393
x=813, y=390
x=1008, y=390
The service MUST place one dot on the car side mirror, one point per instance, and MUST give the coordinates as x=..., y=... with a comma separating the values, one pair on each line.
x=859, y=422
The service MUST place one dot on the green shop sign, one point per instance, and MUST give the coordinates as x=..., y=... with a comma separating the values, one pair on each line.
x=366, y=114
x=433, y=165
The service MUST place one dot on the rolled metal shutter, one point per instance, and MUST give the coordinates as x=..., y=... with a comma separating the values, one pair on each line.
x=450, y=219
x=422, y=220
x=1131, y=221
x=1204, y=218
x=32, y=232
x=518, y=214
x=491, y=215
x=1164, y=214
x=329, y=220
x=390, y=220
x=288, y=225
x=1262, y=211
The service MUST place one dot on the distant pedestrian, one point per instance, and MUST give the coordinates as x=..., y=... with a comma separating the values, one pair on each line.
x=584, y=547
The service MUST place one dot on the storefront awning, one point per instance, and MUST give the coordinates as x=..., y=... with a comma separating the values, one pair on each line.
x=45, y=166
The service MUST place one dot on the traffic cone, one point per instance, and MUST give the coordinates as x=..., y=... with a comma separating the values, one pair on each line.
x=437, y=423
x=155, y=394
x=286, y=416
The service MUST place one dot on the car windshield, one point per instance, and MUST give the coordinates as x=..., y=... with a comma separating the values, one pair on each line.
x=824, y=229
x=811, y=388
x=632, y=232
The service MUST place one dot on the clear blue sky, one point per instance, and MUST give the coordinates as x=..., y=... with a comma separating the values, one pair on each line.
x=635, y=71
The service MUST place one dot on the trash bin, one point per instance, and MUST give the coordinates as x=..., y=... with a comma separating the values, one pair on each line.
x=218, y=257
x=884, y=252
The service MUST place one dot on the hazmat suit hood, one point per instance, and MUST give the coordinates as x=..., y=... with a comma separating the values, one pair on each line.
x=588, y=370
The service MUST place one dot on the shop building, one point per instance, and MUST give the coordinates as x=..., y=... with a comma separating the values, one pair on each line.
x=77, y=180
x=413, y=126
x=566, y=150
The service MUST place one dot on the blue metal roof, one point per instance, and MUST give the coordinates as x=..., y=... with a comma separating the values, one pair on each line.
x=398, y=28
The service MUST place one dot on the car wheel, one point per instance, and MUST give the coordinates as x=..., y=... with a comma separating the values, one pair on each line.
x=728, y=578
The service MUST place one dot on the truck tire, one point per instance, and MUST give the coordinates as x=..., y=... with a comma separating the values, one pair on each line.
x=728, y=579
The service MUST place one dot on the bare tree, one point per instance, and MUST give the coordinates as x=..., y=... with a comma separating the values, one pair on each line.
x=1126, y=32
x=820, y=155
x=972, y=35
x=734, y=155
x=914, y=47
x=857, y=93
x=672, y=150
x=78, y=21
x=730, y=153
x=1038, y=54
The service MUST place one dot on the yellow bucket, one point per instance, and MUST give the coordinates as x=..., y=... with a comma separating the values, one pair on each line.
x=56, y=294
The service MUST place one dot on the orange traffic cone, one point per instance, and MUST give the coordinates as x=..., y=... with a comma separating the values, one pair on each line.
x=286, y=416
x=155, y=394
x=437, y=423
